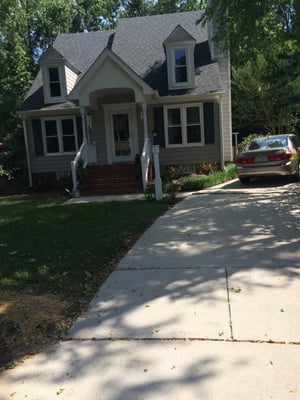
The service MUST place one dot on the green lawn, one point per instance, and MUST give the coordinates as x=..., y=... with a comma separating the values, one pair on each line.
x=63, y=251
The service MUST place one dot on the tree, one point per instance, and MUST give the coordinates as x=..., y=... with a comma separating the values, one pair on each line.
x=171, y=6
x=266, y=98
x=248, y=28
x=136, y=8
x=263, y=38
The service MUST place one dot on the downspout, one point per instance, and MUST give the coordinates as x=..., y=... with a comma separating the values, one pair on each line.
x=27, y=151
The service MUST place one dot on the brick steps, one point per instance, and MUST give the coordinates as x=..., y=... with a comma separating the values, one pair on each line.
x=112, y=179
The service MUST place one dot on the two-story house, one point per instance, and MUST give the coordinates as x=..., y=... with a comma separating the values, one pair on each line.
x=105, y=97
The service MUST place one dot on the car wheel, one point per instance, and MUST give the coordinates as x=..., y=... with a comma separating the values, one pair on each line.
x=244, y=180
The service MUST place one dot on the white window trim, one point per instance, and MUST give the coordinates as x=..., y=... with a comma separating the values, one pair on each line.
x=189, y=50
x=183, y=108
x=60, y=135
x=62, y=81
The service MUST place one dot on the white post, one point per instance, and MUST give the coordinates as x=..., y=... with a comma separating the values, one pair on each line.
x=158, y=184
x=144, y=110
x=85, y=133
x=27, y=152
x=235, y=145
x=221, y=133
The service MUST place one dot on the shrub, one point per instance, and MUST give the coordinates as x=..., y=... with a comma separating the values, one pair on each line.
x=169, y=173
x=206, y=168
x=204, y=181
x=170, y=190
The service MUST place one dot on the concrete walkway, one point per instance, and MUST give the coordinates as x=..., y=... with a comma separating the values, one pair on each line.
x=206, y=305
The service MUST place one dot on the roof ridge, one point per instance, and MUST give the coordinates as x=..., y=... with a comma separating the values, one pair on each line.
x=162, y=15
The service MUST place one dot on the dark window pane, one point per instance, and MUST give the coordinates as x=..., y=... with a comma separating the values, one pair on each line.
x=67, y=127
x=174, y=116
x=52, y=145
x=193, y=134
x=175, y=135
x=55, y=89
x=180, y=74
x=53, y=75
x=193, y=115
x=180, y=57
x=51, y=137
x=51, y=129
x=69, y=143
x=180, y=66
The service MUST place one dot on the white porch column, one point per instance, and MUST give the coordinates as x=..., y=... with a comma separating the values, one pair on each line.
x=158, y=183
x=83, y=119
x=221, y=132
x=84, y=132
x=145, y=120
x=27, y=151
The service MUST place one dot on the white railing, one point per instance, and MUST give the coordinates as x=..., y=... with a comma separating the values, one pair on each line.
x=80, y=155
x=86, y=153
x=145, y=160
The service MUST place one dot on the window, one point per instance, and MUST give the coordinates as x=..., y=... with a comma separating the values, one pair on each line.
x=54, y=79
x=52, y=143
x=60, y=136
x=183, y=125
x=180, y=66
x=180, y=47
x=54, y=82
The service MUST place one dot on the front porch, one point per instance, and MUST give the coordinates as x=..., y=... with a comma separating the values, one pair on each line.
x=112, y=179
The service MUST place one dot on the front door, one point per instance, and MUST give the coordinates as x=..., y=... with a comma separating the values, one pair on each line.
x=121, y=122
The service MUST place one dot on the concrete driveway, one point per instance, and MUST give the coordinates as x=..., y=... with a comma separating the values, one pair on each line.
x=206, y=305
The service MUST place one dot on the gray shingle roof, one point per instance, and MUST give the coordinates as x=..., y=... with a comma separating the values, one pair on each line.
x=139, y=43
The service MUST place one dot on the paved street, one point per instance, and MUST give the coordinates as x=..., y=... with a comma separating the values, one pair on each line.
x=206, y=305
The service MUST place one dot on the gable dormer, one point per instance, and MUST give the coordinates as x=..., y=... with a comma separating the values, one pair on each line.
x=180, y=46
x=59, y=77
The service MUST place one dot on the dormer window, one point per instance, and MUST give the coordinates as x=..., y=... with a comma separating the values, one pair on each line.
x=54, y=82
x=180, y=66
x=54, y=78
x=59, y=76
x=180, y=60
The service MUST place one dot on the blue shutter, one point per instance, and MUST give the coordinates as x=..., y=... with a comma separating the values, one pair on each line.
x=79, y=130
x=209, y=123
x=37, y=137
x=159, y=126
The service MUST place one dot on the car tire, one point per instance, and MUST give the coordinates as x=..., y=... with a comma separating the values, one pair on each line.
x=244, y=180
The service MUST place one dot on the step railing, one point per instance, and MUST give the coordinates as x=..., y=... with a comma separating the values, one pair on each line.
x=145, y=161
x=86, y=153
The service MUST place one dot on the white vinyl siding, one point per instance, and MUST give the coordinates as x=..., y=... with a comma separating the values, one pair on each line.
x=71, y=78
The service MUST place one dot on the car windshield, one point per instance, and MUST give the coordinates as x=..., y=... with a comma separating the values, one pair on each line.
x=268, y=143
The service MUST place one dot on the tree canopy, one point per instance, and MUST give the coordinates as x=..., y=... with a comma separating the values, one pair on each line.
x=262, y=35
x=264, y=43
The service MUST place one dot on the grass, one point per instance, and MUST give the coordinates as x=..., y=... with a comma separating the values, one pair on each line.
x=53, y=258
x=201, y=182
